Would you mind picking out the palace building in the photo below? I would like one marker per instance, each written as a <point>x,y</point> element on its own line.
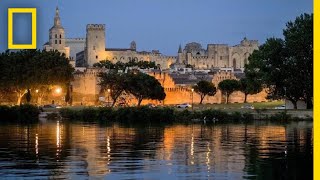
<point>219,59</point>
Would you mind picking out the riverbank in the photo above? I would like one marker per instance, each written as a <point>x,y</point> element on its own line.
<point>23,113</point>
<point>167,114</point>
<point>29,113</point>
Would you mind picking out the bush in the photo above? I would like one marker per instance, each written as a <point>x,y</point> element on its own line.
<point>156,115</point>
<point>23,113</point>
<point>281,116</point>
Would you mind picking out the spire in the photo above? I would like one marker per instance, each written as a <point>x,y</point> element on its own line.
<point>180,49</point>
<point>57,22</point>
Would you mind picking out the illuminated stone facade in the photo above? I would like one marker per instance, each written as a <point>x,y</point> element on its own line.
<point>85,52</point>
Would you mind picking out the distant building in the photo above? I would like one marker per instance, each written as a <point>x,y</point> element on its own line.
<point>93,48</point>
<point>177,75</point>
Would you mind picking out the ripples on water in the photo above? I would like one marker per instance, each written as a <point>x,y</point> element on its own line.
<point>228,151</point>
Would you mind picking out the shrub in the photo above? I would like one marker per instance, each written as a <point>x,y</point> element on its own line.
<point>23,113</point>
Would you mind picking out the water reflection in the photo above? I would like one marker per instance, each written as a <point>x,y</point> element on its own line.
<point>229,151</point>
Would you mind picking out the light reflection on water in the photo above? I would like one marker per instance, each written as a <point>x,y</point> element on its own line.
<point>61,149</point>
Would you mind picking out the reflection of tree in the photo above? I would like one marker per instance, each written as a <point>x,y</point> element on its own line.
<point>198,151</point>
<point>285,160</point>
<point>33,147</point>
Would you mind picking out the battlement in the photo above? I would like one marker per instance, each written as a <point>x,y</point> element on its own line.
<point>96,27</point>
<point>75,40</point>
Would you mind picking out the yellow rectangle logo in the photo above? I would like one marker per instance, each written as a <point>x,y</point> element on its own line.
<point>33,44</point>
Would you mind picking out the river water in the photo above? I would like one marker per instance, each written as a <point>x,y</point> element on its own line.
<point>60,150</point>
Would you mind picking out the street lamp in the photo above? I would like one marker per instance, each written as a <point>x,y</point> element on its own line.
<point>109,90</point>
<point>192,97</point>
<point>58,90</point>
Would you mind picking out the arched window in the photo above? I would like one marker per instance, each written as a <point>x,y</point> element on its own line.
<point>56,42</point>
<point>59,41</point>
<point>234,63</point>
<point>56,36</point>
<point>60,36</point>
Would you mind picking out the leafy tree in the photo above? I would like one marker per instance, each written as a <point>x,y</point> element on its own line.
<point>285,67</point>
<point>249,86</point>
<point>115,82</point>
<point>33,69</point>
<point>143,86</point>
<point>17,74</point>
<point>298,37</point>
<point>228,86</point>
<point>122,66</point>
<point>204,88</point>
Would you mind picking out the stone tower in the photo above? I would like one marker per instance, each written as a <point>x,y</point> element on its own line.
<point>133,45</point>
<point>57,40</point>
<point>180,55</point>
<point>95,44</point>
<point>56,34</point>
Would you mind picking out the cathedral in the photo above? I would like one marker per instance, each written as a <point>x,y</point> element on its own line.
<point>85,52</point>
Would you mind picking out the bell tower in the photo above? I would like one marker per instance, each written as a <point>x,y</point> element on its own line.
<point>57,33</point>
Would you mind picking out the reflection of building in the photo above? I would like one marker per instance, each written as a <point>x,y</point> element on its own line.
<point>227,150</point>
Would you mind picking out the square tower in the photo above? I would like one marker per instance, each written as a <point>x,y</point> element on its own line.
<point>95,49</point>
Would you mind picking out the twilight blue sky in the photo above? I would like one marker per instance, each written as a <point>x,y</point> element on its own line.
<point>160,24</point>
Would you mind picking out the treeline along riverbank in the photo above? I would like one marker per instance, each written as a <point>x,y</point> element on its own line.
<point>29,113</point>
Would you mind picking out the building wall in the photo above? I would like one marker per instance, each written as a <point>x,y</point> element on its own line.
<point>86,90</point>
<point>76,45</point>
<point>218,55</point>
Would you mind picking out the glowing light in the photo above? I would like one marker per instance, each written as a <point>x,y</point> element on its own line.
<point>37,91</point>
<point>58,90</point>
<point>37,144</point>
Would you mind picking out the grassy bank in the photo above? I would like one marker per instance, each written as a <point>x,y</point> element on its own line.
<point>145,114</point>
<point>23,113</point>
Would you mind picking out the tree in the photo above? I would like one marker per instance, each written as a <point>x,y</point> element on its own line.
<point>285,67</point>
<point>33,69</point>
<point>113,81</point>
<point>298,37</point>
<point>122,66</point>
<point>204,88</point>
<point>272,65</point>
<point>143,86</point>
<point>228,86</point>
<point>249,86</point>
<point>17,73</point>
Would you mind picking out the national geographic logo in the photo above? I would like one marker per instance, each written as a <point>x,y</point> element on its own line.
<point>33,12</point>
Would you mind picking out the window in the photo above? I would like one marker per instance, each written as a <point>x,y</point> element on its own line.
<point>97,37</point>
<point>59,41</point>
<point>96,57</point>
<point>220,57</point>
<point>56,36</point>
<point>60,36</point>
<point>56,42</point>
